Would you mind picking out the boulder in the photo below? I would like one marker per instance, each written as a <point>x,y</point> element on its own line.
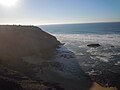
<point>93,45</point>
<point>112,46</point>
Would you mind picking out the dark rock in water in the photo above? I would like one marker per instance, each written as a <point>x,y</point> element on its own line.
<point>62,43</point>
<point>112,46</point>
<point>93,45</point>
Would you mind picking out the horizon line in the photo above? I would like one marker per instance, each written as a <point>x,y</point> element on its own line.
<point>59,23</point>
<point>77,23</point>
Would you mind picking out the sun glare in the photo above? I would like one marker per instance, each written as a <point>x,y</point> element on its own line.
<point>8,2</point>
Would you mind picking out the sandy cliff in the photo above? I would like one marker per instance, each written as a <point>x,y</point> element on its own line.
<point>20,45</point>
<point>30,60</point>
<point>20,41</point>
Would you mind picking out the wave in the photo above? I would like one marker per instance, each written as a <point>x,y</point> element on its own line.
<point>113,39</point>
<point>77,43</point>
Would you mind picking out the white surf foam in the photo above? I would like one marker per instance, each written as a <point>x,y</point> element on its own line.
<point>113,39</point>
<point>78,44</point>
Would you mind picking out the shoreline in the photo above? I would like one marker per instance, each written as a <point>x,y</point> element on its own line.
<point>33,59</point>
<point>70,39</point>
<point>59,73</point>
<point>96,86</point>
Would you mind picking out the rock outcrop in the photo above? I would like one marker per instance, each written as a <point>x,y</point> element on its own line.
<point>27,61</point>
<point>19,44</point>
<point>93,45</point>
<point>20,41</point>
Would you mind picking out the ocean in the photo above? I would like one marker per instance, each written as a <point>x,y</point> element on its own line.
<point>91,59</point>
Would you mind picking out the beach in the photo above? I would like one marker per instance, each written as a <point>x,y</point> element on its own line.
<point>100,62</point>
<point>98,87</point>
<point>32,59</point>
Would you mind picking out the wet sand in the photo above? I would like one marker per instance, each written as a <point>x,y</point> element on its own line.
<point>63,69</point>
<point>98,87</point>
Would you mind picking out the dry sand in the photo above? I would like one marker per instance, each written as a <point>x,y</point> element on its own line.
<point>98,87</point>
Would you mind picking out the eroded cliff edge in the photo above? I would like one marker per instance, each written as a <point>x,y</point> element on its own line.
<point>19,44</point>
<point>31,60</point>
<point>20,41</point>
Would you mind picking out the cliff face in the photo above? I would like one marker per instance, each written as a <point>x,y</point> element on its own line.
<point>20,41</point>
<point>20,45</point>
<point>25,62</point>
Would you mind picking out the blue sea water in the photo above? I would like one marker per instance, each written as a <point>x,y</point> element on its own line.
<point>91,28</point>
<point>77,36</point>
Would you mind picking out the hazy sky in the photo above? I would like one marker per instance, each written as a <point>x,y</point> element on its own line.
<point>60,11</point>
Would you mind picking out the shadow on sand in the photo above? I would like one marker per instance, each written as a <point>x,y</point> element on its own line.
<point>64,70</point>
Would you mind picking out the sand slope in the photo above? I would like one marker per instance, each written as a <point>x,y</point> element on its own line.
<point>19,44</point>
<point>98,87</point>
<point>21,41</point>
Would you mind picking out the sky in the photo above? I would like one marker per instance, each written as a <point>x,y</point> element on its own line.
<point>37,12</point>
